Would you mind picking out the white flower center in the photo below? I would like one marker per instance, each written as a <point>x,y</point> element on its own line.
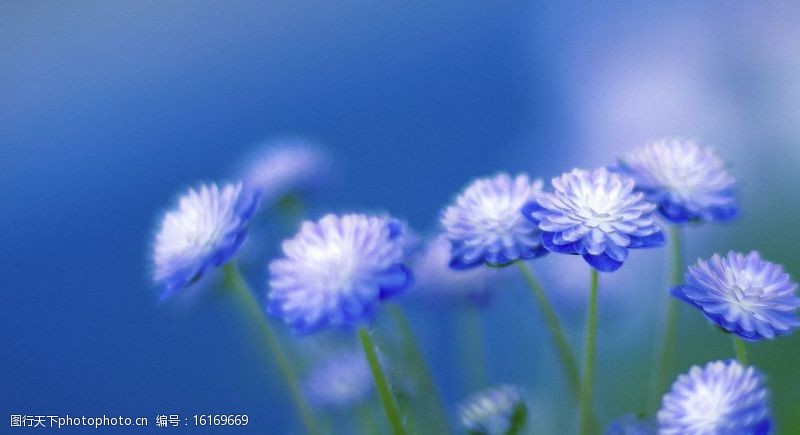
<point>333,264</point>
<point>746,297</point>
<point>706,407</point>
<point>597,209</point>
<point>682,181</point>
<point>499,215</point>
<point>202,235</point>
<point>200,227</point>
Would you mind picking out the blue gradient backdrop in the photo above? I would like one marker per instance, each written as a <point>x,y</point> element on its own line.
<point>108,109</point>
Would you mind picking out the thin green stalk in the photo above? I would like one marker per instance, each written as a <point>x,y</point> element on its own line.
<point>235,282</point>
<point>565,353</point>
<point>666,360</point>
<point>405,403</point>
<point>590,351</point>
<point>740,349</point>
<point>423,372</point>
<point>384,392</point>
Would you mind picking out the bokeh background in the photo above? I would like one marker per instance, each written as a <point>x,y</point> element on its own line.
<point>109,109</point>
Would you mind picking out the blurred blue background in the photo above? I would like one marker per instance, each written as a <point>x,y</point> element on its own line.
<point>110,109</point>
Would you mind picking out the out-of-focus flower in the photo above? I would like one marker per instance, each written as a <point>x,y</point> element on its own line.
<point>485,225</point>
<point>206,229</point>
<point>285,167</point>
<point>631,425</point>
<point>335,271</point>
<point>743,294</point>
<point>597,215</point>
<point>722,398</point>
<point>493,411</point>
<point>689,183</point>
<point>437,282</point>
<point>341,381</point>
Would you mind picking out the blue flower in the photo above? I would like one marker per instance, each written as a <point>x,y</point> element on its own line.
<point>722,398</point>
<point>743,294</point>
<point>689,183</point>
<point>342,380</point>
<point>485,226</point>
<point>631,425</point>
<point>493,411</point>
<point>286,166</point>
<point>336,271</point>
<point>206,229</point>
<point>596,215</point>
<point>436,281</point>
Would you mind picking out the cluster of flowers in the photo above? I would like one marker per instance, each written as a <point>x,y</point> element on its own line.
<point>337,270</point>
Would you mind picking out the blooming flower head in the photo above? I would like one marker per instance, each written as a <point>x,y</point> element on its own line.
<point>335,271</point>
<point>743,294</point>
<point>631,425</point>
<point>597,215</point>
<point>493,411</point>
<point>689,183</point>
<point>206,229</point>
<point>287,166</point>
<point>722,398</point>
<point>436,281</point>
<point>485,226</point>
<point>341,381</point>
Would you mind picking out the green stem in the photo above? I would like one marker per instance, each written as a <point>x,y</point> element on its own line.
<point>740,349</point>
<point>590,352</point>
<point>565,353</point>
<point>387,398</point>
<point>677,255</point>
<point>235,282</point>
<point>405,403</point>
<point>666,360</point>
<point>423,372</point>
